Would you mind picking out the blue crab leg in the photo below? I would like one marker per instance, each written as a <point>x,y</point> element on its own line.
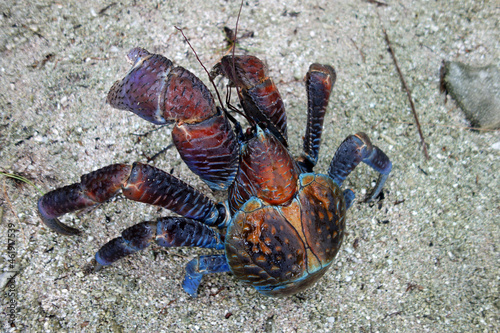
<point>200,266</point>
<point>139,182</point>
<point>169,232</point>
<point>358,148</point>
<point>166,232</point>
<point>319,84</point>
<point>349,198</point>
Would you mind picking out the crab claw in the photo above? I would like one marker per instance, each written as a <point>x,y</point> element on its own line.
<point>54,223</point>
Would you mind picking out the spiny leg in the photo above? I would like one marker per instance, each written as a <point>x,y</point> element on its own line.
<point>94,188</point>
<point>358,148</point>
<point>139,182</point>
<point>166,232</point>
<point>200,266</point>
<point>169,232</point>
<point>319,84</point>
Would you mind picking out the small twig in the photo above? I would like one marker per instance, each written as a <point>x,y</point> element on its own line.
<point>155,156</point>
<point>232,41</point>
<point>378,3</point>
<point>100,58</point>
<point>405,86</point>
<point>360,52</point>
<point>102,11</point>
<point>22,179</point>
<point>148,132</point>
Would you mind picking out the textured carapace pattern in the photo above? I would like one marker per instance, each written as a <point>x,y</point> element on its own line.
<point>258,94</point>
<point>160,93</point>
<point>266,171</point>
<point>276,247</point>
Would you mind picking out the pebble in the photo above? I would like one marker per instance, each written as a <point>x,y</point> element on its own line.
<point>476,90</point>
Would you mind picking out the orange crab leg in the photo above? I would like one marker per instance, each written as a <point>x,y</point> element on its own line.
<point>139,182</point>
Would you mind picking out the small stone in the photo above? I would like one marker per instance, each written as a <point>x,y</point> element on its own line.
<point>5,277</point>
<point>476,90</point>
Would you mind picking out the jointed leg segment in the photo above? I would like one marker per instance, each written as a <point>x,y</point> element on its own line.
<point>200,266</point>
<point>355,149</point>
<point>139,182</point>
<point>169,232</point>
<point>319,84</point>
<point>166,232</point>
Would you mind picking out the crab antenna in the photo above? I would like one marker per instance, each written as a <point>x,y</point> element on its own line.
<point>236,30</point>
<point>234,44</point>
<point>208,74</point>
<point>233,68</point>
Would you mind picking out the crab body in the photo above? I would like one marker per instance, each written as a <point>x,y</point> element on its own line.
<point>282,224</point>
<point>283,249</point>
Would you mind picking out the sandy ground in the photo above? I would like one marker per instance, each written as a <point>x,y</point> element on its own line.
<point>425,260</point>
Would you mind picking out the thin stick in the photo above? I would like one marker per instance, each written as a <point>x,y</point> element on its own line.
<point>21,178</point>
<point>405,86</point>
<point>378,3</point>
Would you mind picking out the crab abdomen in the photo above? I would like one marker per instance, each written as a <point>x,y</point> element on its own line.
<point>281,250</point>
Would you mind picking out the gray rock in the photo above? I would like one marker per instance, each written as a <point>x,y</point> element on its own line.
<point>476,90</point>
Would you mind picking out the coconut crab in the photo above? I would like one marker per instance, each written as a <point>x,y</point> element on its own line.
<point>281,225</point>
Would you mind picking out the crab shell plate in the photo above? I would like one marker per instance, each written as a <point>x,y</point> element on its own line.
<point>282,250</point>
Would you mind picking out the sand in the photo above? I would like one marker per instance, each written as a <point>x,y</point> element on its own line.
<point>426,259</point>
